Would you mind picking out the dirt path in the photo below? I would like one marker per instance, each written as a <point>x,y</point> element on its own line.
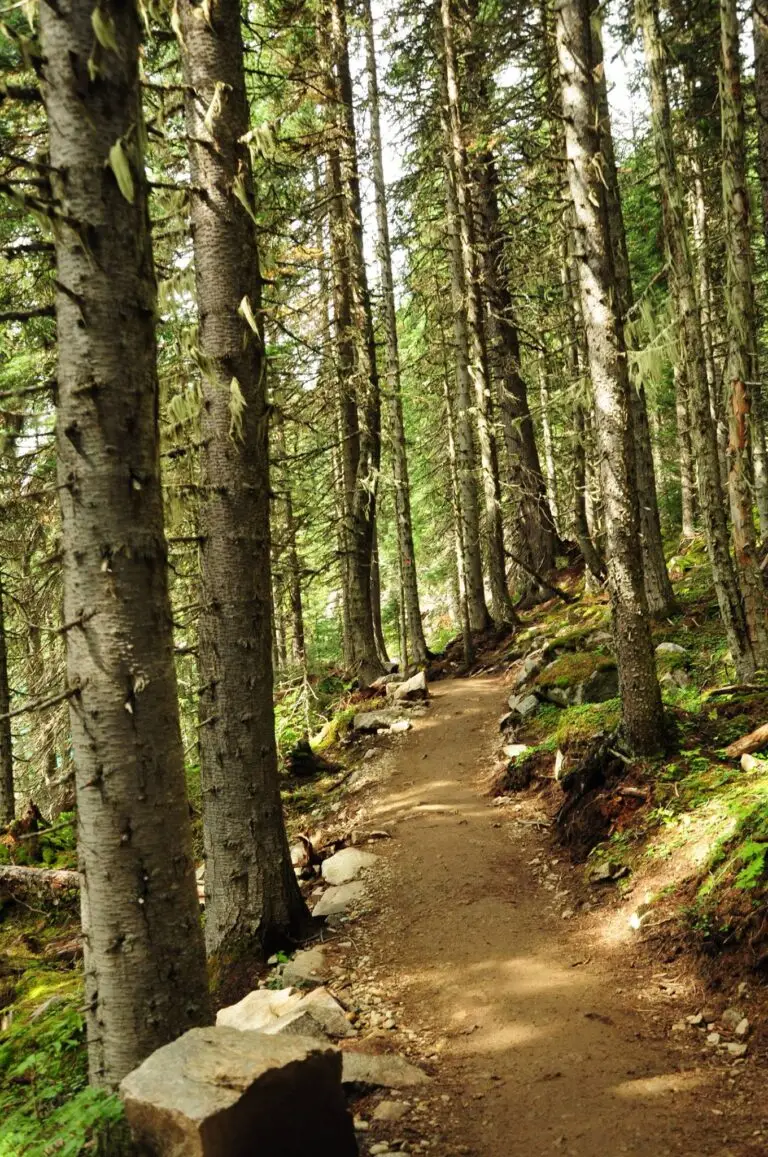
<point>547,1035</point>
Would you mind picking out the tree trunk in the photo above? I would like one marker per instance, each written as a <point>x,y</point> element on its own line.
<point>7,798</point>
<point>760,40</point>
<point>393,395</point>
<point>642,711</point>
<point>358,375</point>
<point>472,566</point>
<point>456,164</point>
<point>546,433</point>
<point>685,455</point>
<point>658,588</point>
<point>725,576</point>
<point>742,372</point>
<point>252,901</point>
<point>145,972</point>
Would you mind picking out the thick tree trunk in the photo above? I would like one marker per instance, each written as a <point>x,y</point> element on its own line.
<point>252,901</point>
<point>7,798</point>
<point>145,972</point>
<point>356,355</point>
<point>724,574</point>
<point>546,434</point>
<point>456,164</point>
<point>760,40</point>
<point>536,536</point>
<point>466,475</point>
<point>642,711</point>
<point>658,588</point>
<point>393,394</point>
<point>742,372</point>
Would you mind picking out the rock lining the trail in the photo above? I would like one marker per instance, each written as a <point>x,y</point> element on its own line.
<point>347,865</point>
<point>217,1092</point>
<point>339,900</point>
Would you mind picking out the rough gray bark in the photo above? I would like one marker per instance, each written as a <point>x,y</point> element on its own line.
<point>393,394</point>
<point>456,163</point>
<point>536,537</point>
<point>746,434</point>
<point>252,900</point>
<point>356,354</point>
<point>7,798</point>
<point>546,432</point>
<point>145,974</point>
<point>466,474</point>
<point>658,588</point>
<point>724,574</point>
<point>642,712</point>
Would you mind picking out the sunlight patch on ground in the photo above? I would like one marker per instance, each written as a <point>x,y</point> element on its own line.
<point>660,1085</point>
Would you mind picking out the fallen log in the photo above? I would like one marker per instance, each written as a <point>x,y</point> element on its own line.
<point>748,743</point>
<point>37,885</point>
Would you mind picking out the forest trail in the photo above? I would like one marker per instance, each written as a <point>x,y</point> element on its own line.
<point>552,1035</point>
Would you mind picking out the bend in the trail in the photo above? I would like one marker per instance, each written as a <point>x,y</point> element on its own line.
<point>544,1035</point>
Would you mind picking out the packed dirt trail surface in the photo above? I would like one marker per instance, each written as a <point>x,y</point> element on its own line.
<point>547,1037</point>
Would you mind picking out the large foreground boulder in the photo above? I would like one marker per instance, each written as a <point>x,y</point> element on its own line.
<point>217,1092</point>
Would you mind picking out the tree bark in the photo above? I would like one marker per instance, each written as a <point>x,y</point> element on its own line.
<point>7,797</point>
<point>358,374</point>
<point>393,395</point>
<point>145,972</point>
<point>685,455</point>
<point>658,588</point>
<point>642,712</point>
<point>536,536</point>
<point>742,372</point>
<point>760,41</point>
<point>252,900</point>
<point>456,163</point>
<point>724,574</point>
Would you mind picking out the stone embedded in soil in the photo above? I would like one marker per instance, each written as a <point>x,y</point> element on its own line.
<point>347,865</point>
<point>601,686</point>
<point>400,725</point>
<point>523,706</point>
<point>258,1009</point>
<point>337,901</point>
<point>514,750</point>
<point>607,871</point>
<point>217,1092</point>
<point>390,1111</point>
<point>308,967</point>
<point>670,649</point>
<point>382,1071</point>
<point>736,1050</point>
<point>377,720</point>
<point>529,667</point>
<point>412,689</point>
<point>731,1018</point>
<point>742,1028</point>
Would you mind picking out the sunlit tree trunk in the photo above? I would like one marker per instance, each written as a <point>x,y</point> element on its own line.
<point>742,373</point>
<point>658,588</point>
<point>252,898</point>
<point>393,395</point>
<point>456,164</point>
<point>725,576</point>
<point>144,960</point>
<point>642,712</point>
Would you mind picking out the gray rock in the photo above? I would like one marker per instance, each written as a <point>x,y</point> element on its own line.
<point>599,687</point>
<point>523,706</point>
<point>375,720</point>
<point>413,688</point>
<point>670,649</point>
<point>742,1028</point>
<point>736,1050</point>
<point>400,725</point>
<point>217,1092</point>
<point>298,1022</point>
<point>307,968</point>
<point>390,1111</point>
<point>328,1013</point>
<point>347,865</point>
<point>515,750</point>
<point>530,667</point>
<point>731,1018</point>
<point>336,901</point>
<point>383,1071</point>
<point>560,696</point>
<point>607,871</point>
